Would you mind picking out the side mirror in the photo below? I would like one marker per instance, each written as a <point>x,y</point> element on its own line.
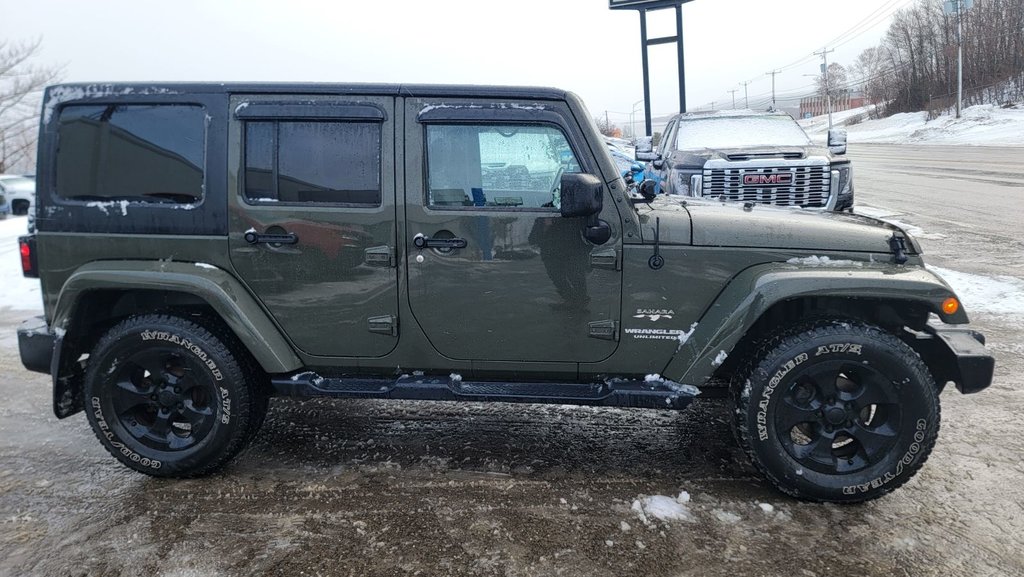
<point>582,195</point>
<point>837,141</point>
<point>645,149</point>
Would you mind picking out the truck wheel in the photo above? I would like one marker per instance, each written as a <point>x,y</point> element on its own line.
<point>168,397</point>
<point>837,411</point>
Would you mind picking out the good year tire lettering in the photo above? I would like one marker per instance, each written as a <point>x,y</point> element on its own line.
<point>909,457</point>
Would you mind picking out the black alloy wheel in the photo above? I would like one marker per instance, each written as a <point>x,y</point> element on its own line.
<point>162,400</point>
<point>838,417</point>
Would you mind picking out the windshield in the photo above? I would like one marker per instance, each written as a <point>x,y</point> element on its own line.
<point>19,184</point>
<point>739,131</point>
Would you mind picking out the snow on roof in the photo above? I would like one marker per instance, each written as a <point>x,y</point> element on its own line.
<point>738,113</point>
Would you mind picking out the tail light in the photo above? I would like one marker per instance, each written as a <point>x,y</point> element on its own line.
<point>29,263</point>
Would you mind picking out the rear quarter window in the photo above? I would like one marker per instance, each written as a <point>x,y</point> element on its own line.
<point>149,153</point>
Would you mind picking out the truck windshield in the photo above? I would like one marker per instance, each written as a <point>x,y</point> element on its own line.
<point>739,131</point>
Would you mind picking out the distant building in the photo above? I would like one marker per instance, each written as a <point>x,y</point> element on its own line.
<point>816,105</point>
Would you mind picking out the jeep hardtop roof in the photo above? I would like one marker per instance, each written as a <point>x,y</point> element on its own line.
<point>93,89</point>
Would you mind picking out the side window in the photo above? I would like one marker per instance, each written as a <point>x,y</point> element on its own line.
<point>668,139</point>
<point>313,162</point>
<point>139,153</point>
<point>496,165</point>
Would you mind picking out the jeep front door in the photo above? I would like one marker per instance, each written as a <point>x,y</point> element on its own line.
<point>495,273</point>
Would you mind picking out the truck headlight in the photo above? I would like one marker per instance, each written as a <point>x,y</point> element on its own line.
<point>687,183</point>
<point>845,179</point>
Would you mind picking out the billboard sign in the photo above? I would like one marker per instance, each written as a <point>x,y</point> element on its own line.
<point>643,4</point>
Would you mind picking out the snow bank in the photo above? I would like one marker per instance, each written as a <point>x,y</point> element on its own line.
<point>887,216</point>
<point>985,124</point>
<point>16,291</point>
<point>998,295</point>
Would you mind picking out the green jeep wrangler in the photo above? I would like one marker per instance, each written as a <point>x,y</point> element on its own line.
<point>202,247</point>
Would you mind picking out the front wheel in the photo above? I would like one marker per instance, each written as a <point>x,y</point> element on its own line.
<point>169,398</point>
<point>839,411</point>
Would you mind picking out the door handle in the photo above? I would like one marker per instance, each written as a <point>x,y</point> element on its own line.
<point>420,241</point>
<point>253,237</point>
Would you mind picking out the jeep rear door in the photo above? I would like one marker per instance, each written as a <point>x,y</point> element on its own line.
<point>313,218</point>
<point>495,273</point>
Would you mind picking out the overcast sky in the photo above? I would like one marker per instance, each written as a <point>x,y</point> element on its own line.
<point>579,45</point>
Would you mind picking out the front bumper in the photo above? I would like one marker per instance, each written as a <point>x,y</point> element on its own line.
<point>35,343</point>
<point>959,355</point>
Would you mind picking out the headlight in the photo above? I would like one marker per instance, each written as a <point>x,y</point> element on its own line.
<point>845,179</point>
<point>686,183</point>
<point>682,184</point>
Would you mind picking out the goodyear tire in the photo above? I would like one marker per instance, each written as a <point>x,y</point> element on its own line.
<point>168,397</point>
<point>840,411</point>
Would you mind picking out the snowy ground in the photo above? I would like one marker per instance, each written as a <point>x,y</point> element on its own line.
<point>983,125</point>
<point>16,291</point>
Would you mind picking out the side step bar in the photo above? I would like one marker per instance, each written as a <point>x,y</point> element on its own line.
<point>657,394</point>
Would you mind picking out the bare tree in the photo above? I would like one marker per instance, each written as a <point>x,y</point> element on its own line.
<point>915,67</point>
<point>837,81</point>
<point>869,74</point>
<point>607,128</point>
<point>21,85</point>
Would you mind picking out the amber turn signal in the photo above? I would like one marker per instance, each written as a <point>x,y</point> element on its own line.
<point>950,306</point>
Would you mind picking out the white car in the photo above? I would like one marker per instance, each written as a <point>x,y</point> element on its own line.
<point>17,194</point>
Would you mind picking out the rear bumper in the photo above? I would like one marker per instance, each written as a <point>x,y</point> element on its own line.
<point>35,343</point>
<point>966,361</point>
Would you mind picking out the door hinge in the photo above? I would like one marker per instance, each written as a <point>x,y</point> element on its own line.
<point>604,330</point>
<point>380,256</point>
<point>606,258</point>
<point>383,325</point>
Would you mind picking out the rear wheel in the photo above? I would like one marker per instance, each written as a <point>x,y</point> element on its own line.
<point>169,397</point>
<point>841,412</point>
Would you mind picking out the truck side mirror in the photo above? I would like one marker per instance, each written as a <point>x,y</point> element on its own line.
<point>645,149</point>
<point>837,141</point>
<point>582,195</point>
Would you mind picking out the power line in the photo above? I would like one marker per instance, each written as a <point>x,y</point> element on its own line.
<point>880,14</point>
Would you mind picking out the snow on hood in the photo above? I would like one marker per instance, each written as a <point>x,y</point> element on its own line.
<point>719,131</point>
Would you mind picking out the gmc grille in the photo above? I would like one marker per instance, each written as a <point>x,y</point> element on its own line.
<point>810,185</point>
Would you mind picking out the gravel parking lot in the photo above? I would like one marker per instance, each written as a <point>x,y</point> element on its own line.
<point>369,488</point>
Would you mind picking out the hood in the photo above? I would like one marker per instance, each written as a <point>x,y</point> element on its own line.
<point>697,158</point>
<point>713,223</point>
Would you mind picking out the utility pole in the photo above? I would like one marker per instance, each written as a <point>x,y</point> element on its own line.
<point>712,105</point>
<point>733,92</point>
<point>746,101</point>
<point>958,7</point>
<point>772,74</point>
<point>828,88</point>
<point>959,56</point>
